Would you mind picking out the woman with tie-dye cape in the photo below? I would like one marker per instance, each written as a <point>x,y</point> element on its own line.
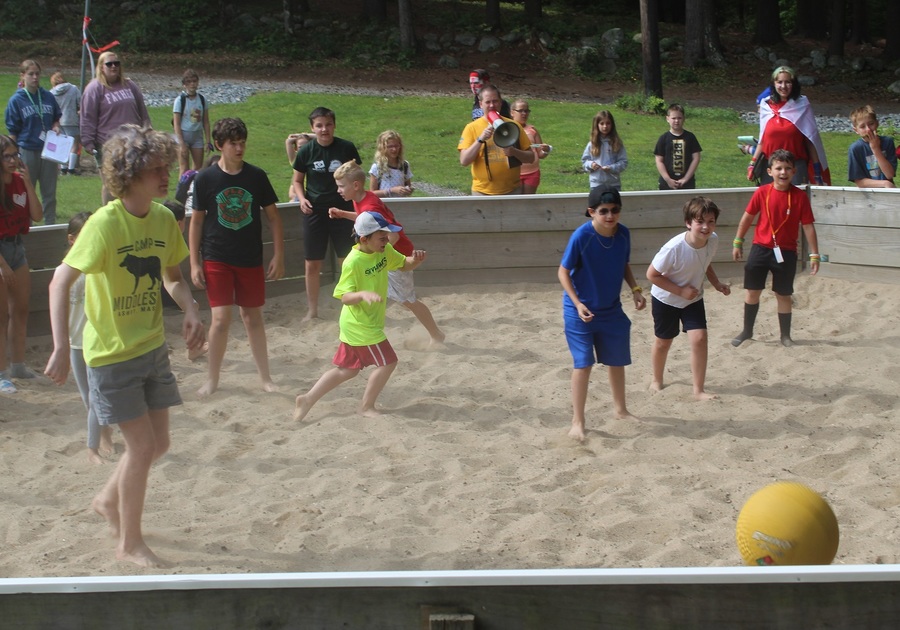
<point>786,121</point>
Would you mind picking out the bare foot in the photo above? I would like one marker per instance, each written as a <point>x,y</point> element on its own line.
<point>302,407</point>
<point>108,511</point>
<point>95,458</point>
<point>656,386</point>
<point>107,447</point>
<point>370,412</point>
<point>208,389</point>
<point>310,315</point>
<point>269,386</point>
<point>438,338</point>
<point>577,432</point>
<point>705,396</point>
<point>141,556</point>
<point>624,414</point>
<point>195,353</point>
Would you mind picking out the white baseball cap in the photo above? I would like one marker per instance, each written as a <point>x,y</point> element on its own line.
<point>370,222</point>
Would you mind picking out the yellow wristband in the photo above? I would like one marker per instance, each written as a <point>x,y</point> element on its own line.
<point>637,289</point>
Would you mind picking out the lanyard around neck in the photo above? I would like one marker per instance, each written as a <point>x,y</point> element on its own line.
<point>769,215</point>
<point>39,106</point>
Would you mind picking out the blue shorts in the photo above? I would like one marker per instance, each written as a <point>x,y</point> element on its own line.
<point>666,318</point>
<point>607,342</point>
<point>124,391</point>
<point>761,261</point>
<point>13,251</point>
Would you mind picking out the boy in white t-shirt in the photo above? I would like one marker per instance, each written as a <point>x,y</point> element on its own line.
<point>677,273</point>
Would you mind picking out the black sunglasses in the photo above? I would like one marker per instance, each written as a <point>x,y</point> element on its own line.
<point>522,111</point>
<point>112,64</point>
<point>604,211</point>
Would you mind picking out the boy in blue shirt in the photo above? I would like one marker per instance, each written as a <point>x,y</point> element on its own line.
<point>871,160</point>
<point>597,330</point>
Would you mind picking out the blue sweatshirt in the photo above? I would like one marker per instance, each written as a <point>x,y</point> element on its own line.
<point>23,120</point>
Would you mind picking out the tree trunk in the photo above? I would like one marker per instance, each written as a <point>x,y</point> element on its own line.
<point>811,19</point>
<point>407,26</point>
<point>838,27</point>
<point>492,18</point>
<point>533,11</point>
<point>768,23</point>
<point>859,32</point>
<point>701,34</point>
<point>652,68</point>
<point>693,33</point>
<point>892,44</point>
<point>375,10</point>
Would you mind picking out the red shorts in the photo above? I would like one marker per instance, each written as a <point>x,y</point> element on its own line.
<point>358,357</point>
<point>227,285</point>
<point>531,179</point>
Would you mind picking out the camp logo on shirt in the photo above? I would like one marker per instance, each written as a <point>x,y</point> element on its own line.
<point>140,267</point>
<point>380,265</point>
<point>235,208</point>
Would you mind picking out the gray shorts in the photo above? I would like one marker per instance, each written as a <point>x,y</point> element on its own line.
<point>127,390</point>
<point>193,139</point>
<point>13,252</point>
<point>401,287</point>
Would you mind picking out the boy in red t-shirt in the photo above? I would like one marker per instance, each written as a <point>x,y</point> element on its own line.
<point>782,209</point>
<point>350,180</point>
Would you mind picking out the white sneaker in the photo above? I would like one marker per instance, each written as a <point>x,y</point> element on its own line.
<point>7,387</point>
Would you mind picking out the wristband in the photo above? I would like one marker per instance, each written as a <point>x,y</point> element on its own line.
<point>637,289</point>
<point>480,140</point>
<point>738,242</point>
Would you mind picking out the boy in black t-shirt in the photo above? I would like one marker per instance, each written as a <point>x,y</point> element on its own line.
<point>226,247</point>
<point>677,153</point>
<point>313,182</point>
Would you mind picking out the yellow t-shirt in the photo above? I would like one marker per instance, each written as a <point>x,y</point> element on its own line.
<point>494,177</point>
<point>363,324</point>
<point>124,258</point>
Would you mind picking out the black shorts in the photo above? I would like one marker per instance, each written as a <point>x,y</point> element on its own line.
<point>666,318</point>
<point>761,261</point>
<point>318,230</point>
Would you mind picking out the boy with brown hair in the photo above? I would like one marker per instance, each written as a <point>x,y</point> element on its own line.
<point>783,209</point>
<point>230,199</point>
<point>677,273</point>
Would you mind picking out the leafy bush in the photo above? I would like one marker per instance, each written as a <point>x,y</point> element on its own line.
<point>639,103</point>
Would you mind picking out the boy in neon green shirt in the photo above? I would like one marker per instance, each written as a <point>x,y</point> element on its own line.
<point>363,291</point>
<point>128,249</point>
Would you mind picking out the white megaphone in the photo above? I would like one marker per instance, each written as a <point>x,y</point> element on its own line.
<point>506,134</point>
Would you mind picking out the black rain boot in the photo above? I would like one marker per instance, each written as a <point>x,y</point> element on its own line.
<point>750,311</point>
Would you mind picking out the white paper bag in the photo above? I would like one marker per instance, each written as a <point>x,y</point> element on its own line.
<point>57,147</point>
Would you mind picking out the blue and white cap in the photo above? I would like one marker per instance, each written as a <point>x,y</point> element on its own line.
<point>370,222</point>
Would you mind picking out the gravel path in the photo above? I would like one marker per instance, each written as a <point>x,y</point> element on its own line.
<point>162,90</point>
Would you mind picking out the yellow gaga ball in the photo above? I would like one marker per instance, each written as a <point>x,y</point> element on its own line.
<point>786,523</point>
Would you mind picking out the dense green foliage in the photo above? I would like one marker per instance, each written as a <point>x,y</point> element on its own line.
<point>431,127</point>
<point>343,31</point>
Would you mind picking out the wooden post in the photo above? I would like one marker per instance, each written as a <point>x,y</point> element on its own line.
<point>451,621</point>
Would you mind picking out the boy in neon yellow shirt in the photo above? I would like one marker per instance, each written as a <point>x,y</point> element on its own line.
<point>363,291</point>
<point>128,249</point>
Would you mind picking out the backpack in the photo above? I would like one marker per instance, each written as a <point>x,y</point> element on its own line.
<point>182,98</point>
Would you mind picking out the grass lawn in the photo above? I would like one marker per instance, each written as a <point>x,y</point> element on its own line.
<point>431,127</point>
